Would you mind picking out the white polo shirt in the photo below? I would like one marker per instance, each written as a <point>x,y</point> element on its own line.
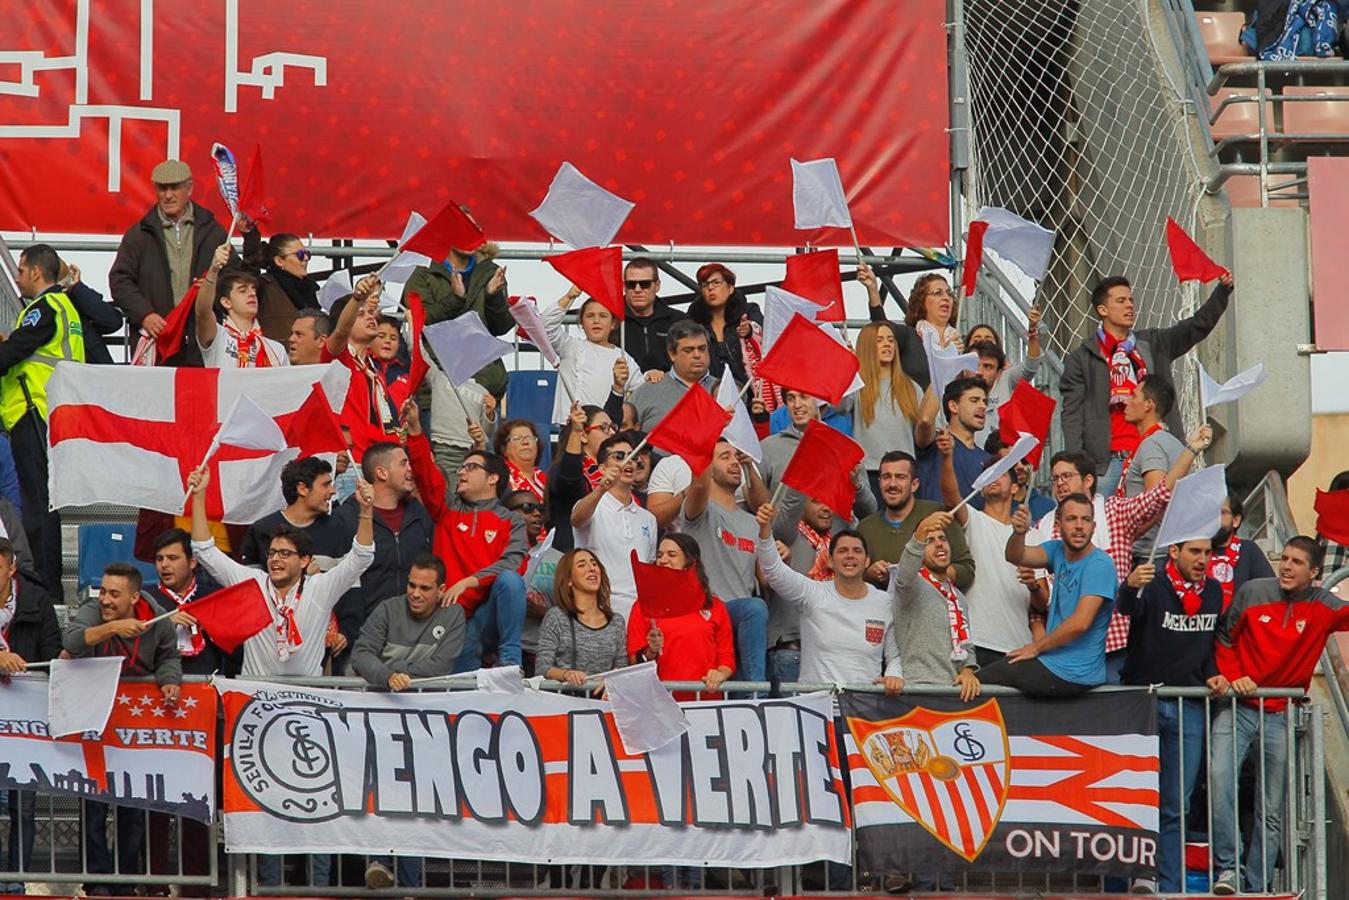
<point>613,532</point>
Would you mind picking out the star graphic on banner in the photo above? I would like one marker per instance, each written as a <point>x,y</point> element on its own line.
<point>123,699</point>
<point>190,702</point>
<point>180,713</point>
<point>137,710</point>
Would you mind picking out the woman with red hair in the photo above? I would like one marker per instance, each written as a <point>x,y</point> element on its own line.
<point>736,326</point>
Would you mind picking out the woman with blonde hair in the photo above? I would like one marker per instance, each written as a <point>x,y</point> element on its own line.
<point>934,310</point>
<point>886,409</point>
<point>580,635</point>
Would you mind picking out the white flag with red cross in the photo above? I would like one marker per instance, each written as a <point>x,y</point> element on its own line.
<point>131,435</point>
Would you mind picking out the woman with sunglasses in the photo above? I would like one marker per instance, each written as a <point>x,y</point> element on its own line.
<point>581,635</point>
<point>517,442</point>
<point>284,284</point>
<point>577,471</point>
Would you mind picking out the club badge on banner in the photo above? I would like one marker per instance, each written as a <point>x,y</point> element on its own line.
<point>1009,784</point>
<point>533,777</point>
<point>150,756</point>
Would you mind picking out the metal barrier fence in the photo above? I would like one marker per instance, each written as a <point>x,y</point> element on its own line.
<point>1287,758</point>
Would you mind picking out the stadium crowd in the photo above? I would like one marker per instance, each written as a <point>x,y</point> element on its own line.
<point>440,543</point>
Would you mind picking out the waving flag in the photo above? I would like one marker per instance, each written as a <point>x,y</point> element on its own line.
<point>691,428</point>
<point>525,312</point>
<point>598,271</point>
<point>663,592</point>
<point>579,212</point>
<point>808,360</point>
<point>231,615</point>
<point>817,195</point>
<point>1239,385</point>
<point>226,176</point>
<point>452,228</point>
<point>1188,259</point>
<point>251,201</point>
<point>1028,411</point>
<point>171,336</point>
<point>463,346</point>
<point>821,467</point>
<point>816,277</point>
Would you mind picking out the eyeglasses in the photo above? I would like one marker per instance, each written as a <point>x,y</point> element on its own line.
<point>528,507</point>
<point>941,292</point>
<point>522,439</point>
<point>281,553</point>
<point>470,466</point>
<point>1063,477</point>
<point>714,281</point>
<point>634,284</point>
<point>607,428</point>
<point>302,254</point>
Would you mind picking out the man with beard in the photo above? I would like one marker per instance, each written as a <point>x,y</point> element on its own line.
<point>1234,561</point>
<point>888,531</point>
<point>965,403</point>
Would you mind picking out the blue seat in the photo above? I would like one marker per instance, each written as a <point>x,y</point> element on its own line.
<point>529,395</point>
<point>103,544</point>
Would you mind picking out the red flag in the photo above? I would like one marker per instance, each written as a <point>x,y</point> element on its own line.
<point>314,427</point>
<point>691,428</point>
<point>815,276</point>
<point>664,592</point>
<point>1332,515</point>
<point>596,270</point>
<point>974,255</point>
<point>1026,410</point>
<point>1190,262</point>
<point>232,615</point>
<point>450,228</point>
<point>806,359</point>
<point>822,467</point>
<point>170,339</point>
<point>251,203</point>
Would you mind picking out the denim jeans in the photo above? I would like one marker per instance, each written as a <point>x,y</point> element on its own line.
<point>497,622</point>
<point>1114,471</point>
<point>271,869</point>
<point>1180,728</point>
<point>22,809</point>
<point>749,619</point>
<point>1234,735</point>
<point>784,665</point>
<point>409,868</point>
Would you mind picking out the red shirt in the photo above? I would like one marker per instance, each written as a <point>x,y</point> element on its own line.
<point>1124,438</point>
<point>695,644</point>
<point>359,413</point>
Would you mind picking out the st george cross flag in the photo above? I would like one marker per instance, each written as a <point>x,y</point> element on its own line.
<point>81,693</point>
<point>739,432</point>
<point>153,426</point>
<point>597,271</point>
<point>231,615</point>
<point>663,592</point>
<point>1332,515</point>
<point>251,201</point>
<point>1025,443</point>
<point>463,346</point>
<point>451,228</point>
<point>1239,385</point>
<point>807,359</point>
<point>525,312</point>
<point>579,212</point>
<point>1195,510</point>
<point>1019,241</point>
<point>645,714</point>
<point>1190,262</point>
<point>822,466</point>
<point>817,195</point>
<point>816,277</point>
<point>691,428</point>
<point>1028,411</point>
<point>315,428</point>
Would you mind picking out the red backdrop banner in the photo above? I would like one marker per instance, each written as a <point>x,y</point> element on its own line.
<point>365,110</point>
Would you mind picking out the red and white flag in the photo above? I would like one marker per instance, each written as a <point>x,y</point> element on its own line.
<point>131,435</point>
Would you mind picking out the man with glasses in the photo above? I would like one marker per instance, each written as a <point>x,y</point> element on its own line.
<point>647,322</point>
<point>610,522</point>
<point>162,253</point>
<point>687,349</point>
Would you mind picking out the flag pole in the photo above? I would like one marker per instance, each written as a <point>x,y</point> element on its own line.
<point>777,494</point>
<point>234,221</point>
<point>967,499</point>
<point>38,665</point>
<point>857,246</point>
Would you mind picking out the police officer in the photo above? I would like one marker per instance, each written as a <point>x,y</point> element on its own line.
<point>48,331</point>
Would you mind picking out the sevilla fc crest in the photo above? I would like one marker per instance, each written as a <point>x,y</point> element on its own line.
<point>949,771</point>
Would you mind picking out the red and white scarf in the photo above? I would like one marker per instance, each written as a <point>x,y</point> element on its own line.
<point>1191,593</point>
<point>592,470</point>
<point>288,635</point>
<point>381,408</point>
<point>250,348</point>
<point>820,568</point>
<point>1125,363</point>
<point>7,615</point>
<point>190,639</point>
<point>751,351</point>
<point>1222,568</point>
<point>955,615</point>
<point>521,482</point>
<point>1129,460</point>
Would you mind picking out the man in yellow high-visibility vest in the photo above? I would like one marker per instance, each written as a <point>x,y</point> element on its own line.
<point>48,331</point>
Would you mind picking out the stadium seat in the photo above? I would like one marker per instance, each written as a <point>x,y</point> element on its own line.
<point>1239,119</point>
<point>100,544</point>
<point>1221,32</point>
<point>529,395</point>
<point>1327,119</point>
<point>1243,192</point>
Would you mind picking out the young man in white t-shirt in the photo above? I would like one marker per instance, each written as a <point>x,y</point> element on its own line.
<point>235,340</point>
<point>999,598</point>
<point>611,522</point>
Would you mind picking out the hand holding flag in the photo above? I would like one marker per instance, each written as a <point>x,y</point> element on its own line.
<point>1190,262</point>
<point>663,592</point>
<point>822,466</point>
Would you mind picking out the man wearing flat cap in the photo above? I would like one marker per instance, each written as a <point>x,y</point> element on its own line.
<point>162,253</point>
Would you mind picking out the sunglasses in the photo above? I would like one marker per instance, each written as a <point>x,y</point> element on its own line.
<point>619,455</point>
<point>529,507</point>
<point>302,255</point>
<point>633,284</point>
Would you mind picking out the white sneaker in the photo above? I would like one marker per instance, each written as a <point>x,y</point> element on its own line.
<point>378,875</point>
<point>1226,885</point>
<point>1143,886</point>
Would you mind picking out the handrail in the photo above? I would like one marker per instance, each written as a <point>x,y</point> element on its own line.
<point>1290,66</point>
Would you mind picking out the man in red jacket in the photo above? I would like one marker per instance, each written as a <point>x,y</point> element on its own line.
<point>1271,636</point>
<point>481,543</point>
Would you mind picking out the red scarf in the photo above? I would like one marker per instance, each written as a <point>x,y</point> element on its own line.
<point>751,351</point>
<point>1125,364</point>
<point>535,485</point>
<point>190,639</point>
<point>287,630</point>
<point>1222,568</point>
<point>252,348</point>
<point>1189,592</point>
<point>1128,460</point>
<point>820,569</point>
<point>592,470</point>
<point>960,626</point>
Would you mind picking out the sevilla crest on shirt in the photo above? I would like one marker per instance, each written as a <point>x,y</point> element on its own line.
<point>949,771</point>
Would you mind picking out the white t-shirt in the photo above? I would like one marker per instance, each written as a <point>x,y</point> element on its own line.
<point>613,532</point>
<point>999,603</point>
<point>223,352</point>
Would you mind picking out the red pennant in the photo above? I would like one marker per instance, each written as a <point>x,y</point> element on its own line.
<point>314,427</point>
<point>451,228</point>
<point>1027,410</point>
<point>170,339</point>
<point>232,615</point>
<point>821,467</point>
<point>1332,515</point>
<point>691,429</point>
<point>1190,262</point>
<point>806,359</point>
<point>663,592</point>
<point>974,255</point>
<point>815,276</point>
<point>598,271</point>
<point>251,202</point>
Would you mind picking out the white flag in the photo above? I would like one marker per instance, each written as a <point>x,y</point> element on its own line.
<point>400,268</point>
<point>944,364</point>
<point>80,694</point>
<point>525,311</point>
<point>248,427</point>
<point>1195,510</point>
<point>817,195</point>
<point>535,555</point>
<point>645,714</point>
<point>579,212</point>
<point>1025,443</point>
<point>1021,242</point>
<point>1239,385</point>
<point>501,680</point>
<point>739,432</point>
<point>463,346</point>
<point>336,287</point>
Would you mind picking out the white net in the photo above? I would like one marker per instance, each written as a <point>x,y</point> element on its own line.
<point>1075,124</point>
